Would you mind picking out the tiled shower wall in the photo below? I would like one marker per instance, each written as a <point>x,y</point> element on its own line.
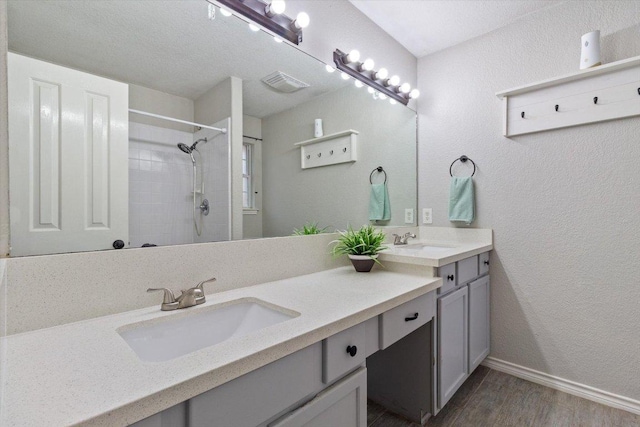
<point>160,188</point>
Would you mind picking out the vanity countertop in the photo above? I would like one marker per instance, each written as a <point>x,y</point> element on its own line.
<point>84,373</point>
<point>435,247</point>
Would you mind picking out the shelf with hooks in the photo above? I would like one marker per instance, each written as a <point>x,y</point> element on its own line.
<point>606,92</point>
<point>328,150</point>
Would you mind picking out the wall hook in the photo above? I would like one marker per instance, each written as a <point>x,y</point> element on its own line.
<point>344,150</point>
<point>319,154</point>
<point>331,153</point>
<point>557,107</point>
<point>595,99</point>
<point>308,156</point>
<point>522,114</point>
<point>639,91</point>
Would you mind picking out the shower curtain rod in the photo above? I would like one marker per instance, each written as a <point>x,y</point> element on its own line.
<point>171,119</point>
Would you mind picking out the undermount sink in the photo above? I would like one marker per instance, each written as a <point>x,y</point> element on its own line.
<point>183,333</point>
<point>422,247</point>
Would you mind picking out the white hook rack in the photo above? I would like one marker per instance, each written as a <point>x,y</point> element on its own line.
<point>328,150</point>
<point>606,92</point>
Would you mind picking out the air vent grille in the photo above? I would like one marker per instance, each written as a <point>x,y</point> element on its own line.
<point>283,82</point>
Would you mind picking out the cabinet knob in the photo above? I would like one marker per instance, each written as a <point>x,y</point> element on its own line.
<point>352,350</point>
<point>118,244</point>
<point>451,277</point>
<point>409,319</point>
<point>486,263</point>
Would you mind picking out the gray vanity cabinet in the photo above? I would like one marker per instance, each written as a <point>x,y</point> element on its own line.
<point>453,333</point>
<point>462,326</point>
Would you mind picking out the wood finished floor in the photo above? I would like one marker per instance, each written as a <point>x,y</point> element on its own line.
<point>493,399</point>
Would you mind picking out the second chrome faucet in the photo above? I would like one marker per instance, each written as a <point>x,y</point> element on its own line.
<point>402,240</point>
<point>188,297</point>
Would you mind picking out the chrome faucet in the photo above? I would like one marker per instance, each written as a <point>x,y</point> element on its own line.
<point>402,240</point>
<point>187,298</point>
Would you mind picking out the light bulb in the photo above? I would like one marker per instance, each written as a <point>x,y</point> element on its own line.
<point>392,101</point>
<point>415,93</point>
<point>276,7</point>
<point>370,89</point>
<point>358,83</point>
<point>394,81</point>
<point>405,88</point>
<point>353,56</point>
<point>368,64</point>
<point>302,21</point>
<point>381,74</point>
<point>344,76</point>
<point>277,39</point>
<point>225,12</point>
<point>329,68</point>
<point>254,27</point>
<point>382,96</point>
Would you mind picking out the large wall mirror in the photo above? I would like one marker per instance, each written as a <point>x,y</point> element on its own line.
<point>104,153</point>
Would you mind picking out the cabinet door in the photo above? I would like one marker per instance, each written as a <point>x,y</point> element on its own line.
<point>68,149</point>
<point>453,335</point>
<point>479,331</point>
<point>343,404</point>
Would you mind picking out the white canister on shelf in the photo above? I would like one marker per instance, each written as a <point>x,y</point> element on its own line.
<point>317,129</point>
<point>590,56</point>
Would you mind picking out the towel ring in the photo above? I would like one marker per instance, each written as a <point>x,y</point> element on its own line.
<point>463,159</point>
<point>378,169</point>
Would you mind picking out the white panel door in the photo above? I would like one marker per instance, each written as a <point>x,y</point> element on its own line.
<point>68,159</point>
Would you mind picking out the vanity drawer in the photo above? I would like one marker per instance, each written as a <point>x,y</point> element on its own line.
<point>402,320</point>
<point>467,269</point>
<point>343,352</point>
<point>448,274</point>
<point>483,265</point>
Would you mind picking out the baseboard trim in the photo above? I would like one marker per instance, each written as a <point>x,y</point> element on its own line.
<point>561,384</point>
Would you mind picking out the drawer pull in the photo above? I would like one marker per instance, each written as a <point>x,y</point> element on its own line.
<point>352,350</point>
<point>451,277</point>
<point>409,319</point>
<point>486,263</point>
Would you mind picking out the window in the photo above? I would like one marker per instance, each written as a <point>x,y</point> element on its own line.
<point>247,176</point>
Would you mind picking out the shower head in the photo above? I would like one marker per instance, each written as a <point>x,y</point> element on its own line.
<point>185,148</point>
<point>193,147</point>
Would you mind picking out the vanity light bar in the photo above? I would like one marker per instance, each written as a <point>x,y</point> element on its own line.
<point>264,14</point>
<point>364,72</point>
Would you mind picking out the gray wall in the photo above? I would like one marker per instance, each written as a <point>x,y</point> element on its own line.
<point>563,203</point>
<point>337,195</point>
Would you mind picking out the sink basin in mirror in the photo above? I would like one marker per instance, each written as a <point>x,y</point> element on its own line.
<point>179,334</point>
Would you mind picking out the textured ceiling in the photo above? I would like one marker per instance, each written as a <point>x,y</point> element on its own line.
<point>424,27</point>
<point>169,46</point>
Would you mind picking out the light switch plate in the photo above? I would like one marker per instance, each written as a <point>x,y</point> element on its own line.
<point>427,216</point>
<point>408,216</point>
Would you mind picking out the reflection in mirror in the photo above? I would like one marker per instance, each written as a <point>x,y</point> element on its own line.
<point>157,126</point>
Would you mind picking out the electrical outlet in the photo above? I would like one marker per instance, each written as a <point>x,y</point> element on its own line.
<point>408,216</point>
<point>427,216</point>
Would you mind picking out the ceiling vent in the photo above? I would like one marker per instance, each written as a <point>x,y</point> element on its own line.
<point>283,82</point>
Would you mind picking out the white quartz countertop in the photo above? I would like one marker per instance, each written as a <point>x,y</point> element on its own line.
<point>438,247</point>
<point>85,374</point>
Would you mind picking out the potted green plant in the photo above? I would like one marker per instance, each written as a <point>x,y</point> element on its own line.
<point>308,229</point>
<point>362,246</point>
